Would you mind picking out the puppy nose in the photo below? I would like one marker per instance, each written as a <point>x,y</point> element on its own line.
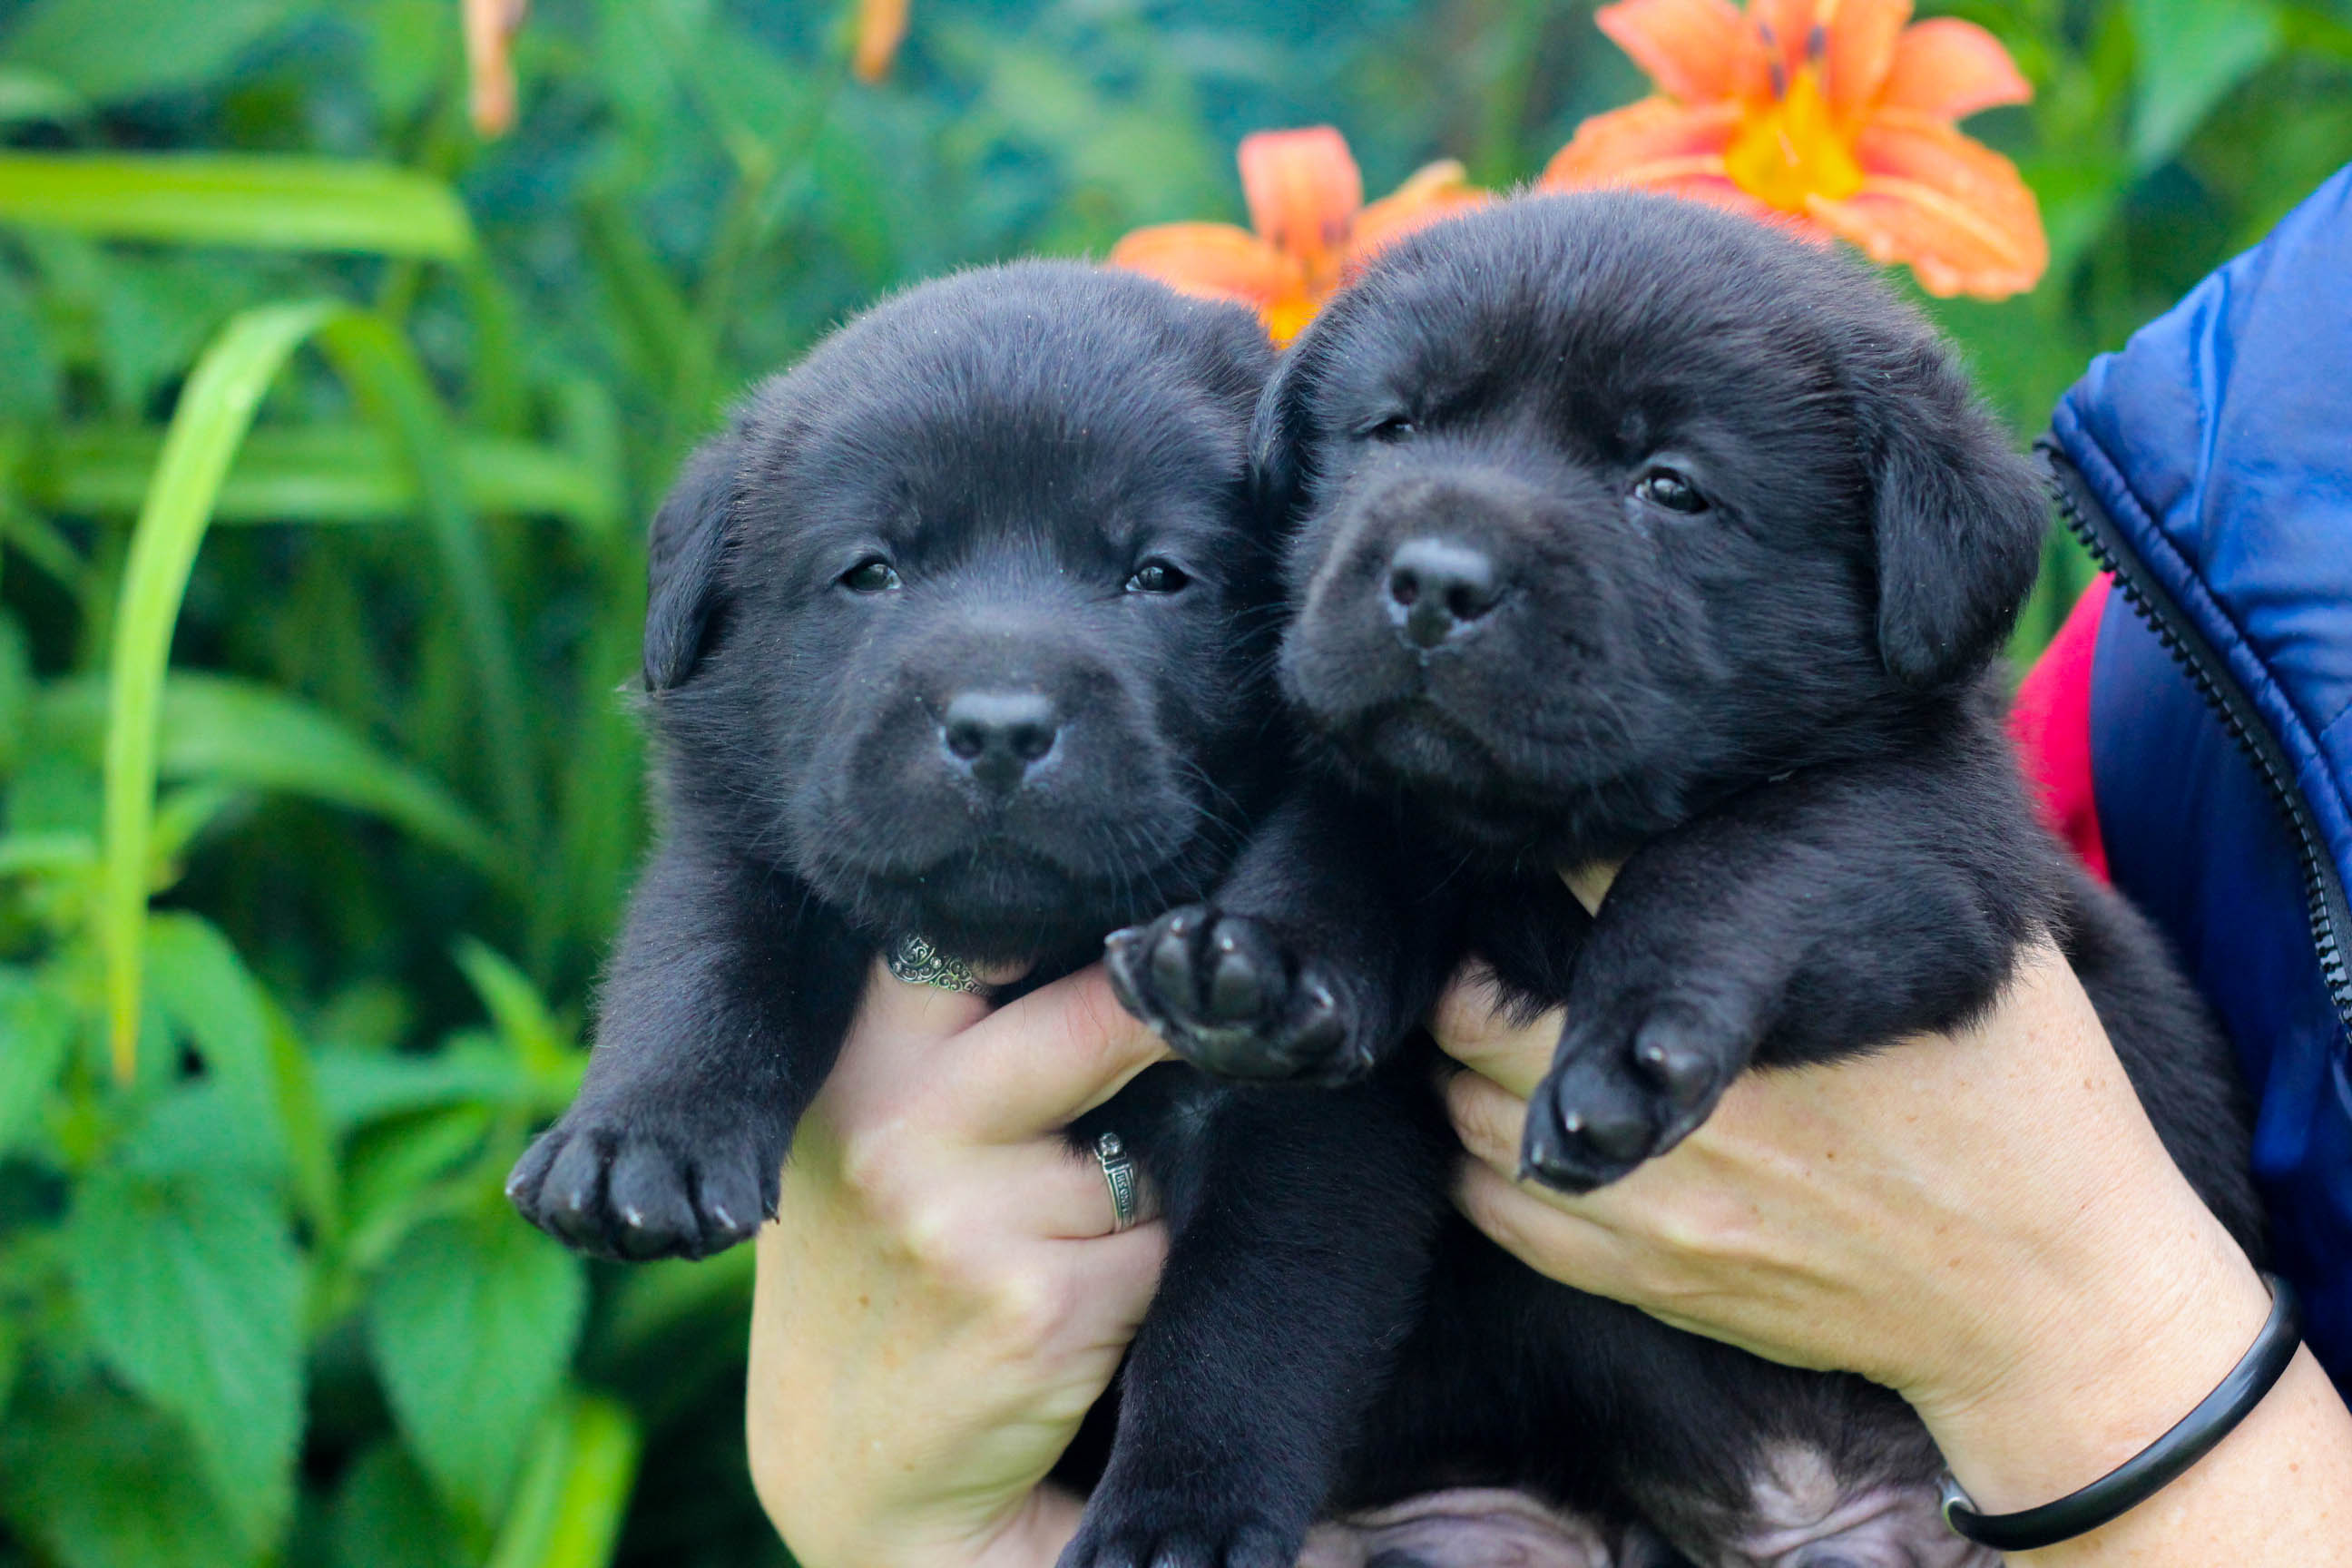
<point>1437,589</point>
<point>996,735</point>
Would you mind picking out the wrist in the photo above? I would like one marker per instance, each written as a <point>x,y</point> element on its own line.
<point>1031,1534</point>
<point>2102,1369</point>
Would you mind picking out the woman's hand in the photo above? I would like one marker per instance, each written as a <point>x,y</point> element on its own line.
<point>1987,1223</point>
<point>940,1298</point>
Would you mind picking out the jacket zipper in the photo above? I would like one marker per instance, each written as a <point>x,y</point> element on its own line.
<point>2324,901</point>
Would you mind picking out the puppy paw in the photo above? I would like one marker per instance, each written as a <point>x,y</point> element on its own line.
<point>621,1183</point>
<point>1160,1530</point>
<point>1629,1082</point>
<point>1225,992</point>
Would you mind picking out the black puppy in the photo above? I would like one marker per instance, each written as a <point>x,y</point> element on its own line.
<point>964,628</point>
<point>1629,529</point>
<point>949,634</point>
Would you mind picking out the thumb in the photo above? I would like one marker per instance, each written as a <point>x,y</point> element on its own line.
<point>905,1010</point>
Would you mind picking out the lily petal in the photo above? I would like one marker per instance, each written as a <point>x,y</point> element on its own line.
<point>1215,260</point>
<point>1951,208</point>
<point>1304,190</point>
<point>881,29</point>
<point>1699,51</point>
<point>1861,39</point>
<point>1433,191</point>
<point>1948,70</point>
<point>490,27</point>
<point>1650,144</point>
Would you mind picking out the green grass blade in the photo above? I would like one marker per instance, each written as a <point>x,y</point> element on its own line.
<point>273,204</point>
<point>215,411</point>
<point>567,1509</point>
<point>325,473</point>
<point>218,729</point>
<point>385,375</point>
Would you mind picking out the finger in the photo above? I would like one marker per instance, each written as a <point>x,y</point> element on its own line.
<point>1490,1120</point>
<point>1043,1060</point>
<point>895,1008</point>
<point>1470,1026</point>
<point>1056,1192</point>
<point>1546,1238</point>
<point>1116,1276</point>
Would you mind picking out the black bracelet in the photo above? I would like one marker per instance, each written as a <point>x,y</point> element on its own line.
<point>2148,1472</point>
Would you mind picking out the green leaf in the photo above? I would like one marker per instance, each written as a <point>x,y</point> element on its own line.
<point>541,1044</point>
<point>197,980</point>
<point>30,390</point>
<point>269,204</point>
<point>392,1177</point>
<point>112,49</point>
<point>219,729</point>
<point>359,1087</point>
<point>36,1032</point>
<point>215,410</point>
<point>574,1489</point>
<point>385,376</point>
<point>327,473</point>
<point>30,95</point>
<point>655,1300</point>
<point>2191,53</point>
<point>472,1324</point>
<point>101,1482</point>
<point>386,1516</point>
<point>193,1292</point>
<point>15,689</point>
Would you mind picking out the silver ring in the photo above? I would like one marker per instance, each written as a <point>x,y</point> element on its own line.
<point>1118,1175</point>
<point>918,963</point>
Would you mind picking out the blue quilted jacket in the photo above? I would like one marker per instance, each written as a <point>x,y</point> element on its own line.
<point>2209,465</point>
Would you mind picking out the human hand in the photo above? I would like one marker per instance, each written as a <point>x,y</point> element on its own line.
<point>940,1298</point>
<point>1985,1222</point>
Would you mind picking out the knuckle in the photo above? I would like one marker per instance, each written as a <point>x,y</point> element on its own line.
<point>873,1162</point>
<point>1024,1307</point>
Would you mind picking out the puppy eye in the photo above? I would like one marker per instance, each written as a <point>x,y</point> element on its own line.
<point>1156,577</point>
<point>1395,427</point>
<point>873,576</point>
<point>1670,489</point>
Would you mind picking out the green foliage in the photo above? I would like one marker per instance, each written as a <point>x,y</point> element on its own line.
<point>472,1328</point>
<point>192,1292</point>
<point>322,430</point>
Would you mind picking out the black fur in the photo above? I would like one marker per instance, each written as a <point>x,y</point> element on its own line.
<point>1015,443</point>
<point>1625,529</point>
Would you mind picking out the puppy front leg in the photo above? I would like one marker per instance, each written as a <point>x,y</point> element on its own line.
<point>1810,919</point>
<point>1311,963</point>
<point>1302,1245</point>
<point>723,1011</point>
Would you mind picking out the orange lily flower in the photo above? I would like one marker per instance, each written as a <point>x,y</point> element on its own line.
<point>1312,228</point>
<point>881,29</point>
<point>1831,116</point>
<point>490,27</point>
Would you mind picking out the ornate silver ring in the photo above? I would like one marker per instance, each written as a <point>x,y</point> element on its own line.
<point>1118,1175</point>
<point>918,963</point>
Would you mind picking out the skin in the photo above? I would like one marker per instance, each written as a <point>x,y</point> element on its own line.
<point>1985,1223</point>
<point>940,1297</point>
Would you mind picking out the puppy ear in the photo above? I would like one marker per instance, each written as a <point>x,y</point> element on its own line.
<point>682,560</point>
<point>1957,516</point>
<point>1279,430</point>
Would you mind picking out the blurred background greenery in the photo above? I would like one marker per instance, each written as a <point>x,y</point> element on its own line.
<point>260,1298</point>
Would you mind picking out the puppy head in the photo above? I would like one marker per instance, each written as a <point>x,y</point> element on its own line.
<point>1606,503</point>
<point>954,621</point>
